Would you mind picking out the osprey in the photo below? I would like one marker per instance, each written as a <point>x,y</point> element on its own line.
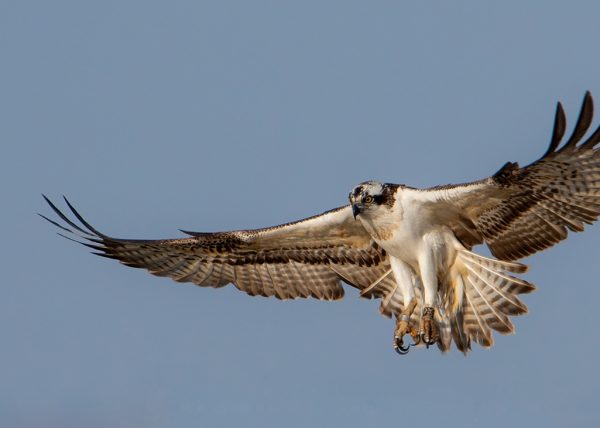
<point>411,248</point>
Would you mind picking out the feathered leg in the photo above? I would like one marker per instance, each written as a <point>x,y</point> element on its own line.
<point>405,279</point>
<point>429,332</point>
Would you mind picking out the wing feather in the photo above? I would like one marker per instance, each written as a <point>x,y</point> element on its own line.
<point>308,258</point>
<point>521,210</point>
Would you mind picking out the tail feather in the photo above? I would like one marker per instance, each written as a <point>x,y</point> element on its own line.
<point>444,324</point>
<point>474,324</point>
<point>462,340</point>
<point>489,298</point>
<point>492,263</point>
<point>502,289</point>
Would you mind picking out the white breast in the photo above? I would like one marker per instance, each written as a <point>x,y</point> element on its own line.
<point>409,229</point>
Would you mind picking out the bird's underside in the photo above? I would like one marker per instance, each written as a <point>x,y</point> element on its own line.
<point>409,247</point>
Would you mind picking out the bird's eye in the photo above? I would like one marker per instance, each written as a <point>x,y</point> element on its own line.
<point>368,199</point>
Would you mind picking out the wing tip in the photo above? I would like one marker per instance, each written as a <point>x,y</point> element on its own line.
<point>582,125</point>
<point>584,120</point>
<point>560,126</point>
<point>91,234</point>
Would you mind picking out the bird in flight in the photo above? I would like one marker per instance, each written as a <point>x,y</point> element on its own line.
<point>409,247</point>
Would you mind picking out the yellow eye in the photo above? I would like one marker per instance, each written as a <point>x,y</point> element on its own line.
<point>368,199</point>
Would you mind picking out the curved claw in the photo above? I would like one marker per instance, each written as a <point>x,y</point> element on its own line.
<point>417,341</point>
<point>401,350</point>
<point>425,341</point>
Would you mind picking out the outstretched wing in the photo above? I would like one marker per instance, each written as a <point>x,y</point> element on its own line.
<point>301,259</point>
<point>519,211</point>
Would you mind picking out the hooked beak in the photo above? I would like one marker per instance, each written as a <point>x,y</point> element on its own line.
<point>355,210</point>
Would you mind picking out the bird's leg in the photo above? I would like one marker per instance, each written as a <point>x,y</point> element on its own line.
<point>428,266</point>
<point>405,281</point>
<point>403,327</point>
<point>429,332</point>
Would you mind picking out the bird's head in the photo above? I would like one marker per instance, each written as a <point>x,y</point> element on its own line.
<point>371,196</point>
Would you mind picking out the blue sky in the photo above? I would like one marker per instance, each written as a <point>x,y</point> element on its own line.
<point>153,116</point>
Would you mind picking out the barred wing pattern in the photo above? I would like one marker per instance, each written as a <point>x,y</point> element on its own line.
<point>308,258</point>
<point>519,211</point>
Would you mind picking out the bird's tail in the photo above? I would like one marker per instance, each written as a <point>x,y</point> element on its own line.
<point>479,295</point>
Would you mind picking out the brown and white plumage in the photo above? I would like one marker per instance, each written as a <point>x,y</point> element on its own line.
<point>410,247</point>
<point>519,211</point>
<point>308,258</point>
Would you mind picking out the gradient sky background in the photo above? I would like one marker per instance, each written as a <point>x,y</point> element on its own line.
<point>153,116</point>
